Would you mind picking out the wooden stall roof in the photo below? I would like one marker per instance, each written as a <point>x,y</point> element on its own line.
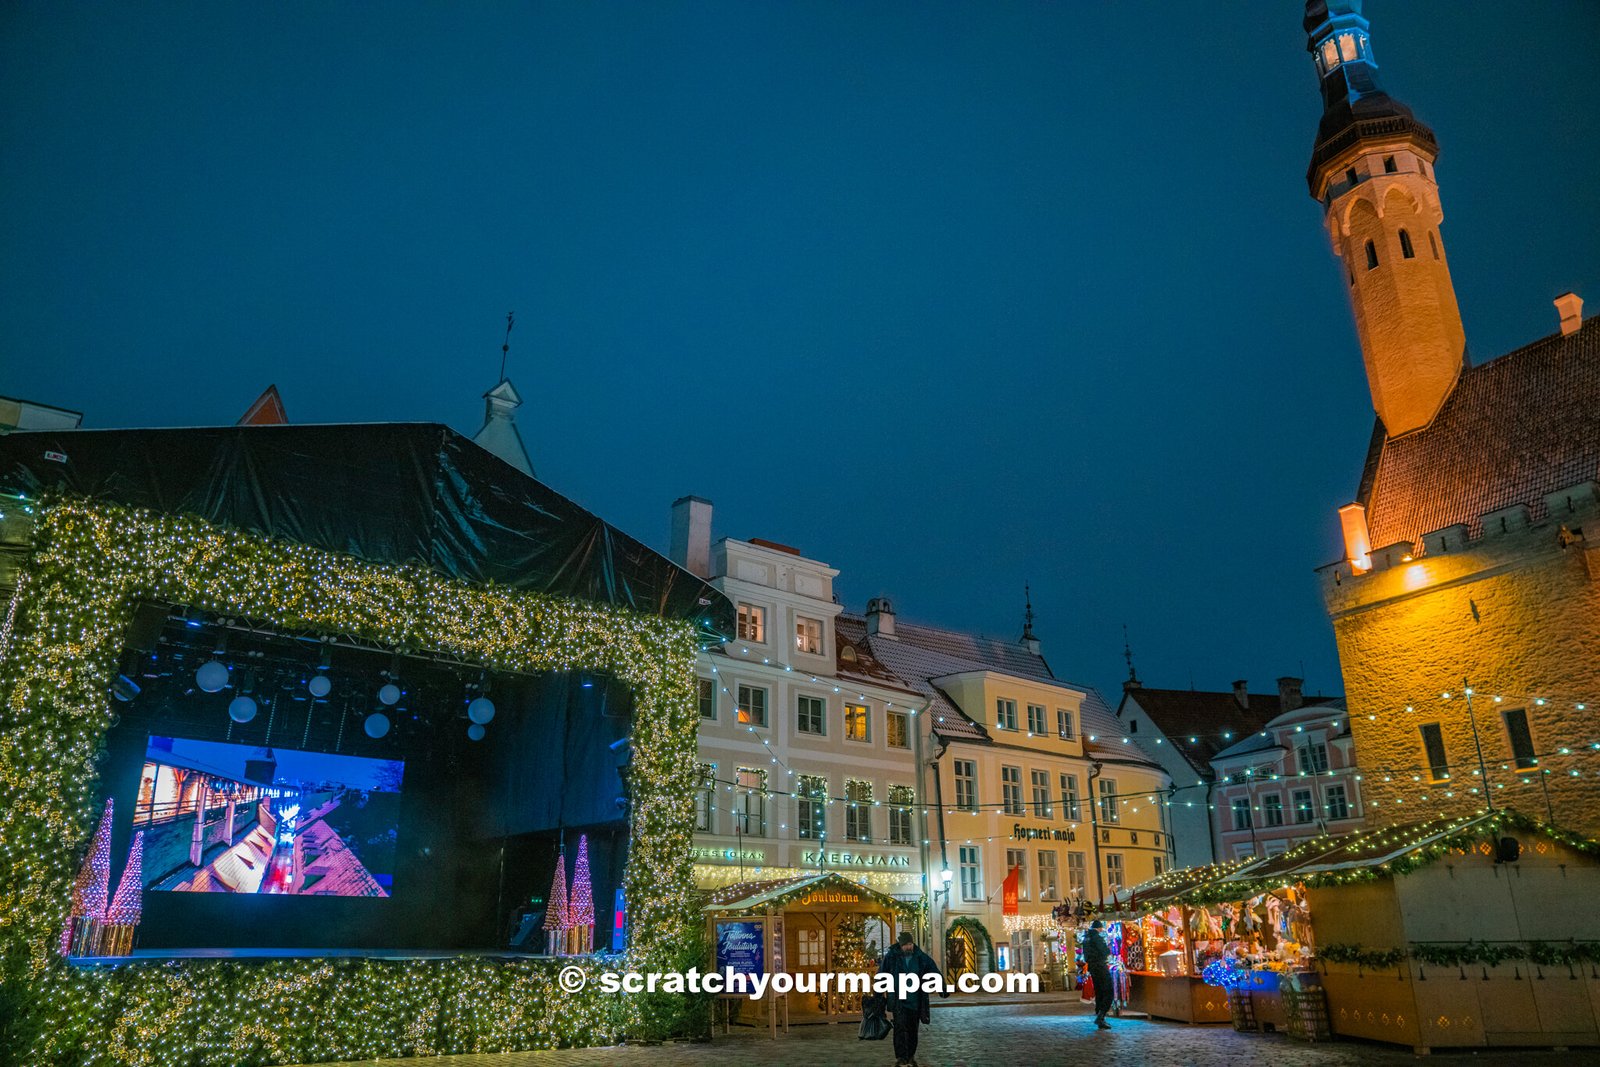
<point>746,897</point>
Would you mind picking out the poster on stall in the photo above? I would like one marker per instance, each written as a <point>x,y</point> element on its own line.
<point>739,946</point>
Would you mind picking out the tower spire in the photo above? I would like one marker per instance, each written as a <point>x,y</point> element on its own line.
<point>1028,639</point>
<point>1127,654</point>
<point>499,431</point>
<point>1372,171</point>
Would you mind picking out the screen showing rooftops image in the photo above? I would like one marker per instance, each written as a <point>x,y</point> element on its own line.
<point>224,818</point>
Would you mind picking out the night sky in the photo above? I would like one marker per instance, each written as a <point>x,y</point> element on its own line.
<point>950,296</point>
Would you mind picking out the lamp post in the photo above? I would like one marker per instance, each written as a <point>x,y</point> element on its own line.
<point>1483,771</point>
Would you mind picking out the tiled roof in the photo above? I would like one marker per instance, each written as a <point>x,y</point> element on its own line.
<point>1515,429</point>
<point>918,654</point>
<point>1207,717</point>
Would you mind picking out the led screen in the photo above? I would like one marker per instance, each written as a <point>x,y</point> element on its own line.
<point>226,818</point>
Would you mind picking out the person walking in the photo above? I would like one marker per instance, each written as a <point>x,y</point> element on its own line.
<point>1097,957</point>
<point>908,1011</point>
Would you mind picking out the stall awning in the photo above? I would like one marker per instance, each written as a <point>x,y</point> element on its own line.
<point>747,897</point>
<point>385,493</point>
<point>1375,853</point>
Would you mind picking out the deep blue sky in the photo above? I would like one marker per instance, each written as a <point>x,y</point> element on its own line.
<point>951,296</point>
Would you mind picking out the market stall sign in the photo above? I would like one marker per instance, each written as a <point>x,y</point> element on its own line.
<point>831,896</point>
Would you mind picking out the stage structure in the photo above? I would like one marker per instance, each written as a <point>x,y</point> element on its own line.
<point>337,686</point>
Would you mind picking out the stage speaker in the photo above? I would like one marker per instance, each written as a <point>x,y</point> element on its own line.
<point>1507,850</point>
<point>145,627</point>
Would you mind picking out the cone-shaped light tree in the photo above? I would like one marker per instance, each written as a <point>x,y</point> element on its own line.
<point>555,915</point>
<point>580,913</point>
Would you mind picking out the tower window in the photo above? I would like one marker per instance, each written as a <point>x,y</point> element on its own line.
<point>1330,54</point>
<point>1389,165</point>
<point>1372,256</point>
<point>1433,242</point>
<point>1347,46</point>
<point>1350,176</point>
<point>1405,246</point>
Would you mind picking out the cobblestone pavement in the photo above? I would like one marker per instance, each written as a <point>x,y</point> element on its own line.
<point>1046,1031</point>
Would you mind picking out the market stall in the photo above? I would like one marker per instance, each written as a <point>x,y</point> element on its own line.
<point>1165,945</point>
<point>1450,933</point>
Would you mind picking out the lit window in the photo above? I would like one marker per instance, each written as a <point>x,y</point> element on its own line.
<point>899,730</point>
<point>807,636</point>
<point>752,623</point>
<point>752,705</point>
<point>1347,46</point>
<point>1372,256</point>
<point>1405,246</point>
<point>1330,54</point>
<point>856,722</point>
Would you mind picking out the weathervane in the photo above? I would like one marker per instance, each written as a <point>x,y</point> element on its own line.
<point>505,349</point>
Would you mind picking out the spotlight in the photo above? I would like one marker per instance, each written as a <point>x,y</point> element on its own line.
<point>480,711</point>
<point>476,731</point>
<point>620,743</point>
<point>389,694</point>
<point>377,724</point>
<point>319,685</point>
<point>242,709</point>
<point>124,688</point>
<point>212,676</point>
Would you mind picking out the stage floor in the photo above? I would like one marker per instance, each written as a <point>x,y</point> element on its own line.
<point>152,955</point>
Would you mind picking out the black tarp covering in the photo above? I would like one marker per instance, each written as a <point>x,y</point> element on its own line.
<point>385,492</point>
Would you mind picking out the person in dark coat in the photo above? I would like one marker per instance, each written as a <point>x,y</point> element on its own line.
<point>1097,957</point>
<point>911,1011</point>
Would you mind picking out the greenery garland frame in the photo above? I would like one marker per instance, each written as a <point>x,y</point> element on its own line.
<point>60,641</point>
<point>976,929</point>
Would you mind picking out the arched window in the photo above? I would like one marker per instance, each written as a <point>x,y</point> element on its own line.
<point>1405,246</point>
<point>1433,242</point>
<point>1372,256</point>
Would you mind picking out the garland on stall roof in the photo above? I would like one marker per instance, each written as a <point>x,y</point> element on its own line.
<point>1465,953</point>
<point>91,564</point>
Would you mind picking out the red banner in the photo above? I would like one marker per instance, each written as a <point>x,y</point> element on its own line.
<point>1008,892</point>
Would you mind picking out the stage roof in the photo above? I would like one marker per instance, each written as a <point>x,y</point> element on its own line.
<point>384,492</point>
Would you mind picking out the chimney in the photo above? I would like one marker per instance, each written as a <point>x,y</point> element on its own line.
<point>1241,693</point>
<point>880,617</point>
<point>691,535</point>
<point>1570,307</point>
<point>1289,696</point>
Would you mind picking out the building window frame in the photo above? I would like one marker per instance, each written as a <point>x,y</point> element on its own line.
<point>1017,860</point>
<point>811,806</point>
<point>1272,809</point>
<point>1049,876</point>
<point>811,715</point>
<point>707,693</point>
<point>1064,724</point>
<point>752,705</point>
<point>1005,713</point>
<point>966,782</point>
<point>970,860</point>
<point>1304,803</point>
<point>751,623</point>
<point>1011,790</point>
<point>858,810</point>
<point>901,800</point>
<point>1116,873</point>
<point>750,802</point>
<point>1036,720</point>
<point>705,800</point>
<point>1435,757</point>
<point>1039,784</point>
<point>1336,801</point>
<point>1242,819</point>
<point>808,635</point>
<point>858,723</point>
<point>1519,735</point>
<point>896,729</point>
<point>1077,872</point>
<point>1110,812</point>
<point>1069,797</point>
